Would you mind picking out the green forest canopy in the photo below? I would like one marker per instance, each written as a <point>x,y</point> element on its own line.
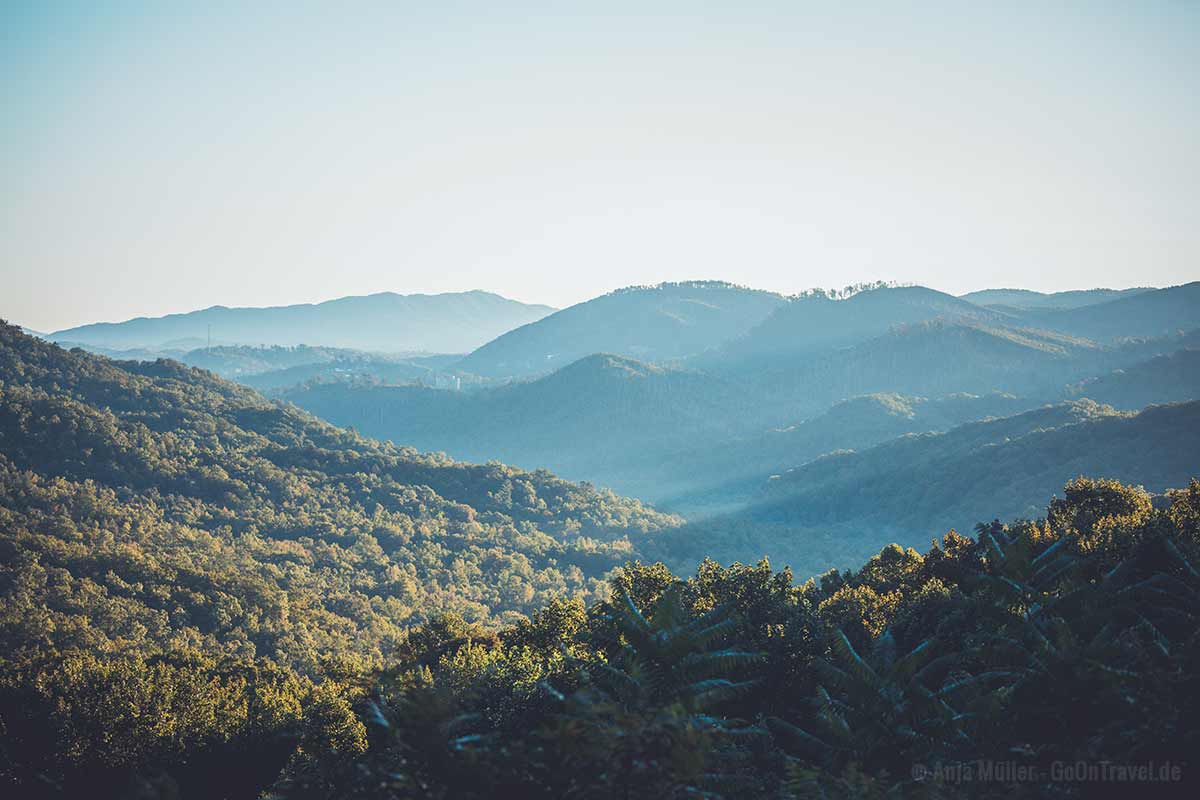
<point>203,594</point>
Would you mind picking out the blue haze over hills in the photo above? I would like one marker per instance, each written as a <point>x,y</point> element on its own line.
<point>701,396</point>
<point>697,396</point>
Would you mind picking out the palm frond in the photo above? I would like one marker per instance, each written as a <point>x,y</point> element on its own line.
<point>859,668</point>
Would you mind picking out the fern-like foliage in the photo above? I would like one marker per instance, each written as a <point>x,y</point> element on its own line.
<point>669,657</point>
<point>651,712</point>
<point>863,702</point>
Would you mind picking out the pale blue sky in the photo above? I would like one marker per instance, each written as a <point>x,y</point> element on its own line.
<point>162,157</point>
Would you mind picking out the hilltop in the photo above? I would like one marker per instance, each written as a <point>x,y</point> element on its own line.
<point>819,322</point>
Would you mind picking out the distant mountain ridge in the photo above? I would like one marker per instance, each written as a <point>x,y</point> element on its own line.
<point>1027,299</point>
<point>1159,312</point>
<point>816,322</point>
<point>672,433</point>
<point>649,323</point>
<point>689,394</point>
<point>933,357</point>
<point>385,322</point>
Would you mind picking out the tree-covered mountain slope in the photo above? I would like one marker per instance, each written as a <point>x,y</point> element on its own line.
<point>830,511</point>
<point>204,594</point>
<point>1049,658</point>
<point>704,477</point>
<point>1065,640</point>
<point>1168,378</point>
<point>731,473</point>
<point>384,322</point>
<point>152,506</point>
<point>648,323</point>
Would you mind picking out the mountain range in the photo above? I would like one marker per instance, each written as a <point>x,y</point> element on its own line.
<point>818,373</point>
<point>691,395</point>
<point>836,510</point>
<point>1158,312</point>
<point>200,584</point>
<point>648,323</point>
<point>819,492</point>
<point>1026,299</point>
<point>593,419</point>
<point>819,322</point>
<point>385,322</point>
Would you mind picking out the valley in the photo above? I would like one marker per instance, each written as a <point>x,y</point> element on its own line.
<point>599,401</point>
<point>330,514</point>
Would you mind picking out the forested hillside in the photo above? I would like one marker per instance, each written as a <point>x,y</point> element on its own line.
<point>980,668</point>
<point>158,523</point>
<point>655,432</point>
<point>835,510</point>
<point>382,532</point>
<point>1164,379</point>
<point>1065,640</point>
<point>204,594</point>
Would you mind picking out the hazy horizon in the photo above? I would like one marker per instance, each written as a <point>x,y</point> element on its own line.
<point>509,297</point>
<point>162,161</point>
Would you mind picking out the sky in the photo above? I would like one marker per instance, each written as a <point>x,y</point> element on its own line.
<point>163,157</point>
